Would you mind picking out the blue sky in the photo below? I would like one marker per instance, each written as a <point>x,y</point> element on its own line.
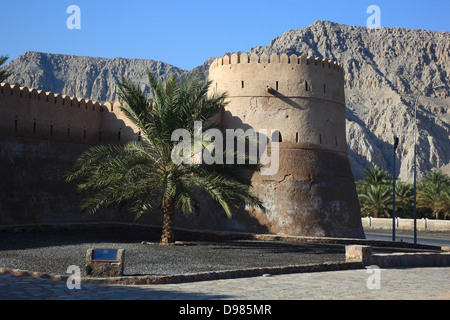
<point>187,32</point>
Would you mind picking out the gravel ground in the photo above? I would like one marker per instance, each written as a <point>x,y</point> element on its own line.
<point>54,251</point>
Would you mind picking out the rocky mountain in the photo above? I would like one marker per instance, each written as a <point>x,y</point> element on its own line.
<point>85,77</point>
<point>385,70</point>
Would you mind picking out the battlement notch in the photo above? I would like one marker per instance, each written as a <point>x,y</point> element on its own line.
<point>283,59</point>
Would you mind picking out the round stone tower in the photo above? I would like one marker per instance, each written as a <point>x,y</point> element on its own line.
<point>302,100</point>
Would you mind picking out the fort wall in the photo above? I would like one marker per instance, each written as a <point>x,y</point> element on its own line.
<point>38,114</point>
<point>312,194</point>
<point>41,136</point>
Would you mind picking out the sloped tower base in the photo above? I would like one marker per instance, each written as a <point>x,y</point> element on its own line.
<point>311,195</point>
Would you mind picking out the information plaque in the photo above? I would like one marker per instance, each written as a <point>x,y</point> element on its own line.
<point>105,254</point>
<point>102,262</point>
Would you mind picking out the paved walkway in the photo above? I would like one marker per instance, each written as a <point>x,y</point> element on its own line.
<point>414,283</point>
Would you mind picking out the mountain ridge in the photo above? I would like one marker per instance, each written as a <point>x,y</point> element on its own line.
<point>384,69</point>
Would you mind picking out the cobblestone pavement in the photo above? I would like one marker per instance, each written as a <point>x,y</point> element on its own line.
<point>410,284</point>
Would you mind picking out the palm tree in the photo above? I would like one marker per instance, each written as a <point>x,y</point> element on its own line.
<point>431,189</point>
<point>373,177</point>
<point>4,71</point>
<point>142,173</point>
<point>404,198</point>
<point>376,201</point>
<point>443,203</point>
<point>376,176</point>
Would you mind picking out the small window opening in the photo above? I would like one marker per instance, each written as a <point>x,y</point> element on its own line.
<point>296,137</point>
<point>242,84</point>
<point>16,124</point>
<point>320,138</point>
<point>276,136</point>
<point>276,85</point>
<point>306,85</point>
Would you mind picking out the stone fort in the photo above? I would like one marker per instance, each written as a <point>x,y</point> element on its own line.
<point>302,98</point>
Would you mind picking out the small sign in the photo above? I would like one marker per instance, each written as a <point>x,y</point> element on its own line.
<point>105,255</point>
<point>104,262</point>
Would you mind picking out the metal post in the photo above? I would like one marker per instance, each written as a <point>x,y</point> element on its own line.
<point>393,201</point>
<point>415,169</point>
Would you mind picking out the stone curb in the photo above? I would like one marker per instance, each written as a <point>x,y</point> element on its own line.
<point>205,276</point>
<point>364,255</point>
<point>222,235</point>
<point>194,277</point>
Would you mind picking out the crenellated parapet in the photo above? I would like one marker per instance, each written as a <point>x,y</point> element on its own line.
<point>282,59</point>
<point>302,97</point>
<point>32,113</point>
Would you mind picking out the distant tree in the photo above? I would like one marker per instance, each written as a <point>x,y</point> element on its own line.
<point>375,193</point>
<point>4,71</point>
<point>432,192</point>
<point>404,199</point>
<point>376,201</point>
<point>443,203</point>
<point>374,177</point>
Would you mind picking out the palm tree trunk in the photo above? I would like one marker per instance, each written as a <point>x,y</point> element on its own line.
<point>168,236</point>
